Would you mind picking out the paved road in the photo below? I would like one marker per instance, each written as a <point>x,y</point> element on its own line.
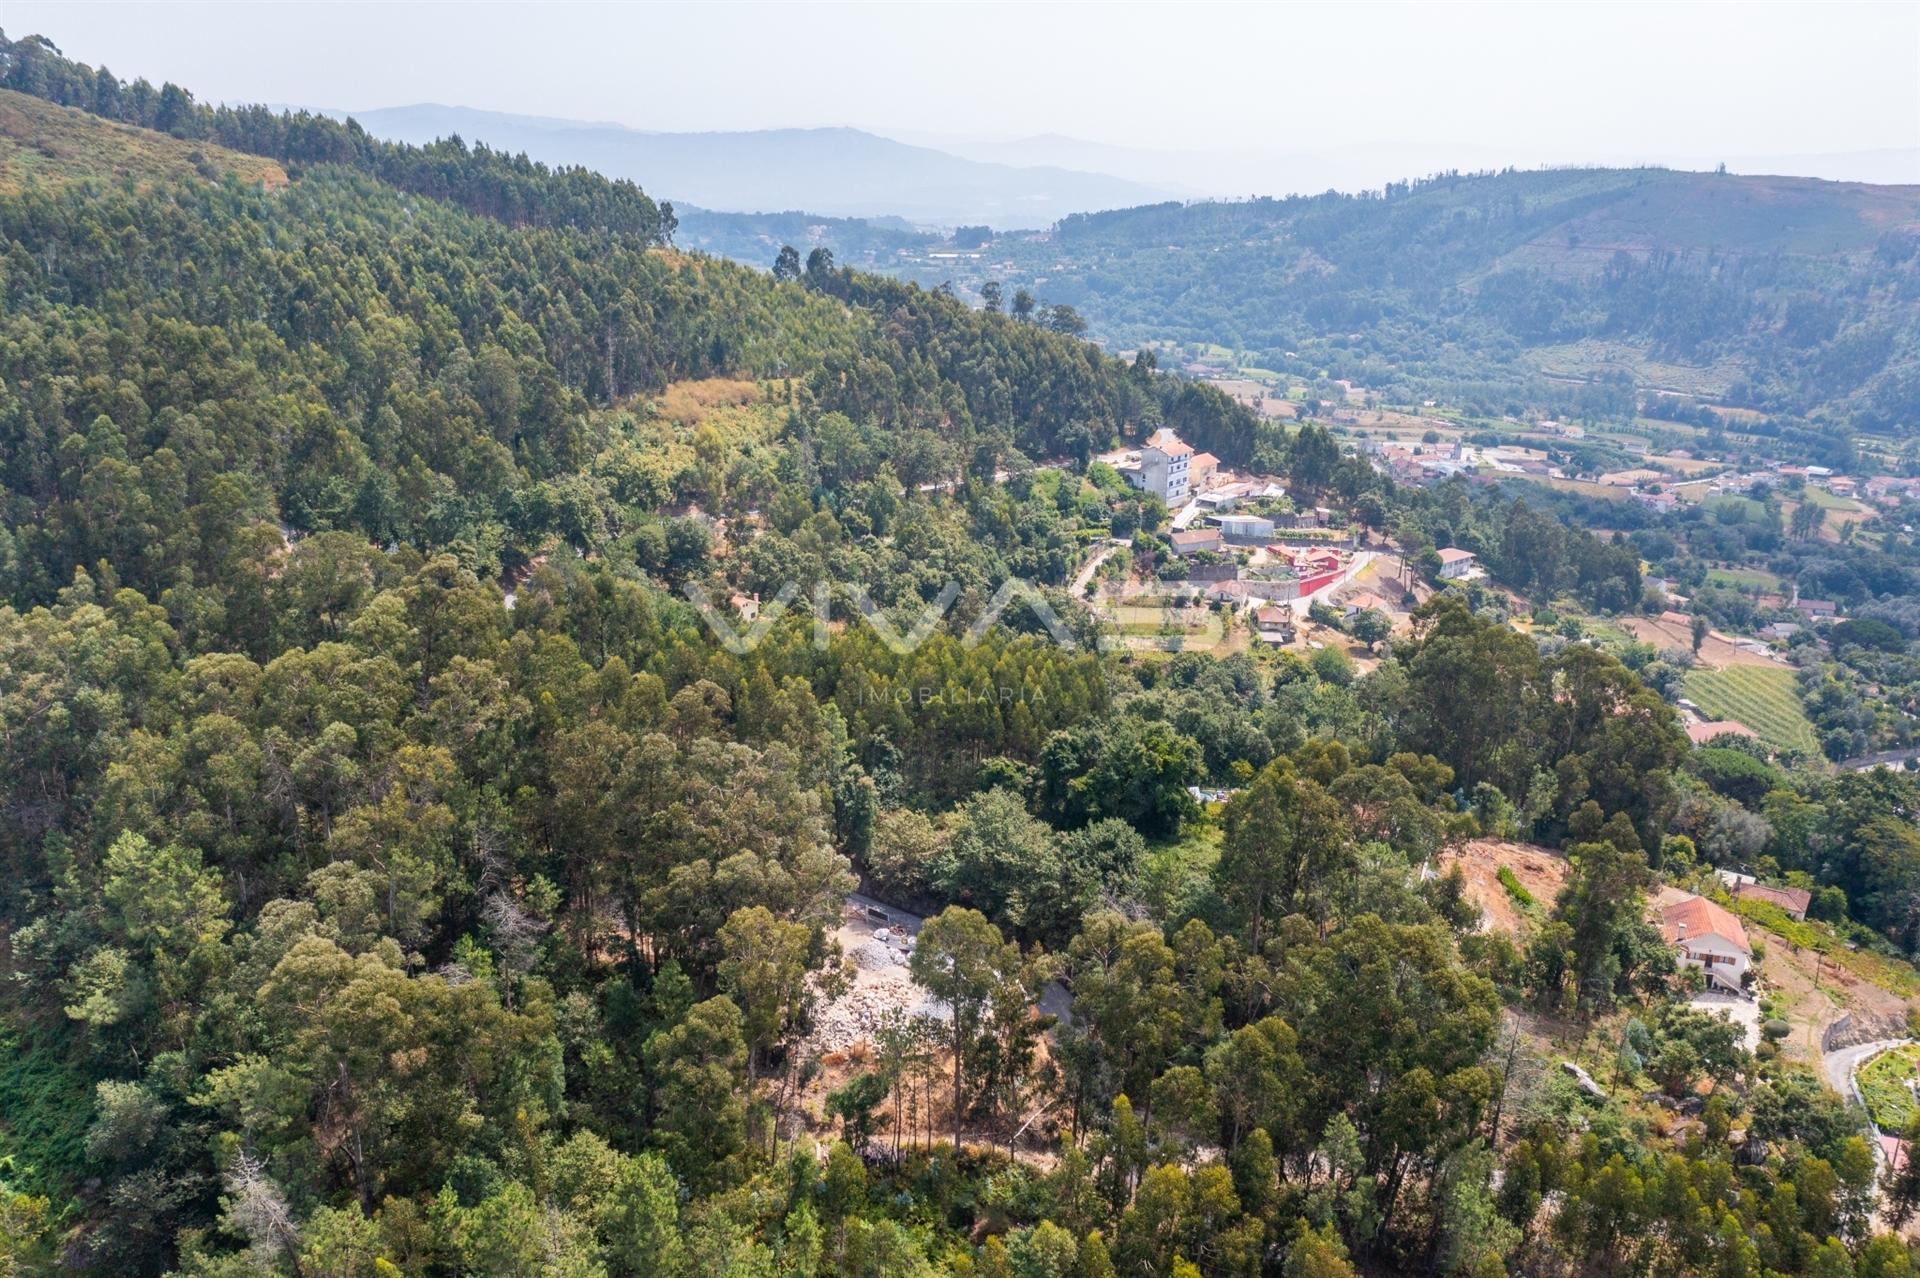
<point>1843,1064</point>
<point>1078,587</point>
<point>1885,759</point>
<point>1358,565</point>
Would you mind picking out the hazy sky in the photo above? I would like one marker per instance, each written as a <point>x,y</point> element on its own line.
<point>1564,81</point>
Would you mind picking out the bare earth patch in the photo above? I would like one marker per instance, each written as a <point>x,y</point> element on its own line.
<point>1716,651</point>
<point>1541,871</point>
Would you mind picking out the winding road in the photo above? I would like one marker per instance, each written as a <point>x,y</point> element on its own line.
<point>1842,1067</point>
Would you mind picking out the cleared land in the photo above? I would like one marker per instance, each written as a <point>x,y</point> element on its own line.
<point>1594,357</point>
<point>1765,698</point>
<point>1716,652</point>
<point>1749,578</point>
<point>43,144</point>
<point>1538,873</point>
<point>1840,511</point>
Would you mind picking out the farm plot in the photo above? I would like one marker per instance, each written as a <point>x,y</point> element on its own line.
<point>1765,698</point>
<point>1887,1086</point>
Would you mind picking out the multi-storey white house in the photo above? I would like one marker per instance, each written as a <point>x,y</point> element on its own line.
<point>1456,564</point>
<point>1162,467</point>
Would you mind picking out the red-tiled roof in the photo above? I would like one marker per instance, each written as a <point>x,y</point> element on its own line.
<point>1699,733</point>
<point>1453,555</point>
<point>1792,900</point>
<point>1697,916</point>
<point>1169,443</point>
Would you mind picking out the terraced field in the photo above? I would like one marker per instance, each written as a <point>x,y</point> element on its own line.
<point>1765,698</point>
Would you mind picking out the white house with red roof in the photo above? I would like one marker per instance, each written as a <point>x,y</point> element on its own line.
<point>1456,564</point>
<point>1708,936</point>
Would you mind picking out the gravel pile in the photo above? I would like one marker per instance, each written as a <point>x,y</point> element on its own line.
<point>877,956</point>
<point>857,1015</point>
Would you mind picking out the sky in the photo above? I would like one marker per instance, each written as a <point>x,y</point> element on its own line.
<point>1562,82</point>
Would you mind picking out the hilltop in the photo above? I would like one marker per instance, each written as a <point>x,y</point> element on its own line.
<point>42,143</point>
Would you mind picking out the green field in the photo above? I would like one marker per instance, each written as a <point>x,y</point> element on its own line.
<point>1593,357</point>
<point>1765,698</point>
<point>1751,511</point>
<point>1883,1086</point>
<point>1828,501</point>
<point>1751,578</point>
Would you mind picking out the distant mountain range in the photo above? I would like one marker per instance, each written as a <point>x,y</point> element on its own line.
<point>1010,184</point>
<point>836,172</point>
<point>1785,294</point>
<point>1255,171</point>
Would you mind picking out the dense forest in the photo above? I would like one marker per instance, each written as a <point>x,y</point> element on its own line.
<point>399,878</point>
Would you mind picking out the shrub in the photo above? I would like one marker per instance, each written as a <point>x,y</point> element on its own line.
<point>1515,889</point>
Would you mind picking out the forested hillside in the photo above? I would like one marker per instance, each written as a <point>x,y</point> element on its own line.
<point>1799,296</point>
<point>398,877</point>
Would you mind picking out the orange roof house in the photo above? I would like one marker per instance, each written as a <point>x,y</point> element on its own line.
<point>1697,916</point>
<point>1707,936</point>
<point>1169,443</point>
<point>1792,900</point>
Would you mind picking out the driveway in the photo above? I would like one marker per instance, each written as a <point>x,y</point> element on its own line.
<point>1358,565</point>
<point>1741,1011</point>
<point>1078,586</point>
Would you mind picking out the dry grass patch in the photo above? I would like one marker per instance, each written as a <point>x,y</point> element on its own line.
<point>687,403</point>
<point>48,145</point>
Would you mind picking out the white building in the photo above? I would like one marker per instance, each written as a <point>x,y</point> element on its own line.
<point>1709,937</point>
<point>1250,529</point>
<point>1455,563</point>
<point>1274,624</point>
<point>1164,468</point>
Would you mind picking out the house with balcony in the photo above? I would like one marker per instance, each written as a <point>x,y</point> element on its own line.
<point>1708,936</point>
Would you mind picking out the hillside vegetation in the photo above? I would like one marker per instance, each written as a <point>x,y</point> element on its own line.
<point>44,144</point>
<point>1790,295</point>
<point>400,878</point>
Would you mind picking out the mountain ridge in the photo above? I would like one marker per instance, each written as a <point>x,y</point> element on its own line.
<point>834,170</point>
